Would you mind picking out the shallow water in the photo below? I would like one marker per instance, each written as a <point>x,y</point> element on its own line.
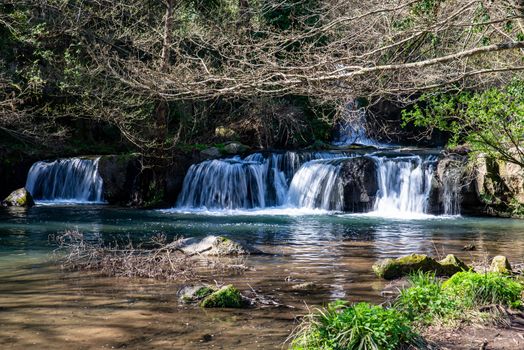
<point>45,308</point>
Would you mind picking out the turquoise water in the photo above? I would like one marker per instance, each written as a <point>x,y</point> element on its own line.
<point>43,307</point>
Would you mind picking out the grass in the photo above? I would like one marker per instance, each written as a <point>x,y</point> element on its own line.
<point>475,289</point>
<point>359,326</point>
<point>428,301</point>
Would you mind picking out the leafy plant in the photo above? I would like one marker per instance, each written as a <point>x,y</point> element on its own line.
<point>425,300</point>
<point>359,326</point>
<point>475,289</point>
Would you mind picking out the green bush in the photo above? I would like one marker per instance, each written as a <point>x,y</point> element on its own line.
<point>475,289</point>
<point>425,300</point>
<point>360,326</point>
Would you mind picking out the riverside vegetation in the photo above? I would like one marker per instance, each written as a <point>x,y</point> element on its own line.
<point>427,301</point>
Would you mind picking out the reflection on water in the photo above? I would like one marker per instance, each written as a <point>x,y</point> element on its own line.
<point>333,250</point>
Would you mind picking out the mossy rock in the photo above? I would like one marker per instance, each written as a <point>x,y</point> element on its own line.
<point>500,264</point>
<point>19,198</point>
<point>193,294</point>
<point>215,246</point>
<point>227,296</point>
<point>450,265</point>
<point>390,269</point>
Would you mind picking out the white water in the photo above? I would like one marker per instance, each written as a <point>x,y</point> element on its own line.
<point>302,183</point>
<point>404,185</point>
<point>65,181</point>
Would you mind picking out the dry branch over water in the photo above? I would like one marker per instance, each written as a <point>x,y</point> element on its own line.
<point>156,258</point>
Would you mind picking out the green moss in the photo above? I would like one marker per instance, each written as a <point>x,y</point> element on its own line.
<point>451,265</point>
<point>395,268</point>
<point>500,264</point>
<point>227,296</point>
<point>203,292</point>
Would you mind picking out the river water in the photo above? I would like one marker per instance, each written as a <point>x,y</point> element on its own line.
<point>43,307</point>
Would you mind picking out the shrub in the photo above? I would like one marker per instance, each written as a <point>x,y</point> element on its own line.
<point>360,326</point>
<point>425,300</point>
<point>474,289</point>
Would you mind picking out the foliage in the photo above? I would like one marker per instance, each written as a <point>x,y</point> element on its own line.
<point>426,300</point>
<point>491,121</point>
<point>475,289</point>
<point>360,326</point>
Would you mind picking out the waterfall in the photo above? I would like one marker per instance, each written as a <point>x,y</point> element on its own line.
<point>309,180</point>
<point>352,129</point>
<point>316,185</point>
<point>404,184</point>
<point>256,181</point>
<point>66,180</point>
<point>451,186</point>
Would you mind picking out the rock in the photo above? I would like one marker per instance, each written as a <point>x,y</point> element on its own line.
<point>306,286</point>
<point>215,246</point>
<point>211,152</point>
<point>500,264</point>
<point>450,265</point>
<point>469,247</point>
<point>395,268</point>
<point>227,296</point>
<point>119,173</point>
<point>359,181</point>
<point>235,148</point>
<point>19,198</point>
<point>193,294</point>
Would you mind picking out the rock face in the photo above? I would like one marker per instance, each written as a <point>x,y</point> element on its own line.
<point>395,268</point>
<point>359,180</point>
<point>120,174</point>
<point>215,246</point>
<point>19,198</point>
<point>210,153</point>
<point>500,264</point>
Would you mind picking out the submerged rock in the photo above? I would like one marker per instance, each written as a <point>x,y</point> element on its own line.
<point>193,294</point>
<point>500,264</point>
<point>227,296</point>
<point>215,246</point>
<point>19,198</point>
<point>395,268</point>
<point>306,286</point>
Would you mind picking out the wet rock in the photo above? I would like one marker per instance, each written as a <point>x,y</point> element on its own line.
<point>193,294</point>
<point>306,286</point>
<point>469,247</point>
<point>227,296</point>
<point>359,180</point>
<point>500,264</point>
<point>119,173</point>
<point>19,198</point>
<point>211,152</point>
<point>450,265</point>
<point>215,246</point>
<point>395,268</point>
<point>235,148</point>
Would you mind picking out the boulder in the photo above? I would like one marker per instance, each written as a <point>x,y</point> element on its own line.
<point>395,268</point>
<point>359,181</point>
<point>193,294</point>
<point>120,175</point>
<point>19,198</point>
<point>215,246</point>
<point>211,152</point>
<point>450,265</point>
<point>235,148</point>
<point>500,264</point>
<point>227,296</point>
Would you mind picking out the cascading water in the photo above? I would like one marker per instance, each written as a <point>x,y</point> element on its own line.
<point>305,181</point>
<point>352,130</point>
<point>66,180</point>
<point>404,184</point>
<point>451,186</point>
